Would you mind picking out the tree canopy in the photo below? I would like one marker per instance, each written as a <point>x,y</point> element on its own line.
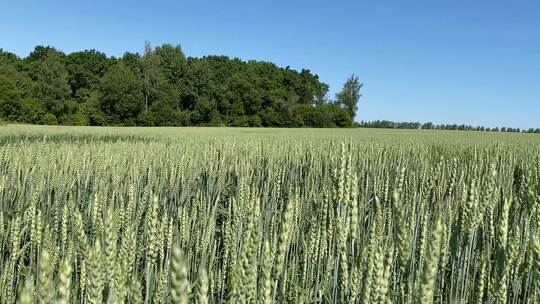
<point>164,87</point>
<point>349,95</point>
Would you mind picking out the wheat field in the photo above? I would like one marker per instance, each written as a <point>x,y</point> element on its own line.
<point>210,215</point>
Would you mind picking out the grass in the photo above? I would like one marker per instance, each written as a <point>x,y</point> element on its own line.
<point>240,215</point>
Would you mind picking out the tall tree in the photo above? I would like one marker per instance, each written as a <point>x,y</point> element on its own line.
<point>150,73</point>
<point>7,58</point>
<point>349,95</point>
<point>9,98</point>
<point>47,69</point>
<point>172,62</point>
<point>121,98</point>
<point>85,69</point>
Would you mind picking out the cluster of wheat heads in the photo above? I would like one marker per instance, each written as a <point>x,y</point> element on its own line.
<point>253,220</point>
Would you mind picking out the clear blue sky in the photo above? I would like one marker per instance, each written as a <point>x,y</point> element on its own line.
<point>474,62</point>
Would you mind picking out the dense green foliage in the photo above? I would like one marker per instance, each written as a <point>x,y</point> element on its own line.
<point>350,94</point>
<point>164,88</point>
<point>205,215</point>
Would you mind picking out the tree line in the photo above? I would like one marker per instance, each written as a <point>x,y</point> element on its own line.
<point>163,87</point>
<point>386,124</point>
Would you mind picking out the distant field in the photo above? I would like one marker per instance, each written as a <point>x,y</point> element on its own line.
<point>246,215</point>
<point>262,133</point>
